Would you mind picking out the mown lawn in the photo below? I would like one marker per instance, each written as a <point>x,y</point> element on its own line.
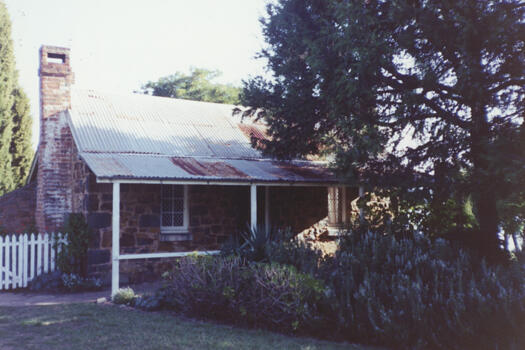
<point>91,326</point>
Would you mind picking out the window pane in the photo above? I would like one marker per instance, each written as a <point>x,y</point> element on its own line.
<point>166,219</point>
<point>178,219</point>
<point>178,204</point>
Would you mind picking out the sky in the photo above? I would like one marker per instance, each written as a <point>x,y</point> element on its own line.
<point>118,45</point>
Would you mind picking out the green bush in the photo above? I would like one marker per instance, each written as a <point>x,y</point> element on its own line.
<point>418,293</point>
<point>277,246</point>
<point>400,291</point>
<point>124,296</point>
<point>64,282</point>
<point>73,256</point>
<point>232,289</point>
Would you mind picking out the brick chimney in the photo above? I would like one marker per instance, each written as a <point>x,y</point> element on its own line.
<point>53,199</point>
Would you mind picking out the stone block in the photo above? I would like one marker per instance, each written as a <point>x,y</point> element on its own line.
<point>98,256</point>
<point>149,220</point>
<point>99,220</point>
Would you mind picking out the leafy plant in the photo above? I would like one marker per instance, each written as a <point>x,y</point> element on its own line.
<point>73,256</point>
<point>64,282</point>
<point>232,289</point>
<point>124,296</point>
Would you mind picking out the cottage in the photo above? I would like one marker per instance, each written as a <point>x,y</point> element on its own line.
<point>159,177</point>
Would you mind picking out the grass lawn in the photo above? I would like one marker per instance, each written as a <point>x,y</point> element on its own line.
<point>91,326</point>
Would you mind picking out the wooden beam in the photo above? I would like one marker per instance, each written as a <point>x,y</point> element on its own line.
<point>253,206</point>
<point>218,183</point>
<point>115,248</point>
<point>167,255</point>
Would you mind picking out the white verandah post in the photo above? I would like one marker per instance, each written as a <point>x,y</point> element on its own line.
<point>253,206</point>
<point>115,247</point>
<point>267,208</point>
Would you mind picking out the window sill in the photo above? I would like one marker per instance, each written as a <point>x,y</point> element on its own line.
<point>175,236</point>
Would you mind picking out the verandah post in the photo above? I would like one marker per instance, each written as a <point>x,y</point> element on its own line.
<point>115,247</point>
<point>267,208</point>
<point>253,206</point>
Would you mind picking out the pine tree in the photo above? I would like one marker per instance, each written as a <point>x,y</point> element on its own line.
<point>7,80</point>
<point>21,150</point>
<point>15,121</point>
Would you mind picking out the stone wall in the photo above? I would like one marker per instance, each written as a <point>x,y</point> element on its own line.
<point>216,213</point>
<point>17,210</point>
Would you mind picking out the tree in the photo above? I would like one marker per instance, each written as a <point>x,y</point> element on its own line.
<point>15,121</point>
<point>407,93</point>
<point>21,150</point>
<point>197,86</point>
<point>7,83</point>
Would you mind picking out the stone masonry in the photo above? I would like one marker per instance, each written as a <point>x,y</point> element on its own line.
<point>53,194</point>
<point>17,210</point>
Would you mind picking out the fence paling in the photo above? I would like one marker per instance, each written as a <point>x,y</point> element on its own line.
<point>24,257</point>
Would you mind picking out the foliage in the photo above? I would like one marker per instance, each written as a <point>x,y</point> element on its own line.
<point>258,294</point>
<point>15,122</point>
<point>57,281</point>
<point>124,296</point>
<point>21,150</point>
<point>276,246</point>
<point>76,283</point>
<point>413,96</point>
<point>197,86</point>
<point>73,256</point>
<point>148,302</point>
<point>402,289</point>
<point>418,293</point>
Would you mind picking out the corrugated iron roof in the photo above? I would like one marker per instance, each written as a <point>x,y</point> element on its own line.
<point>146,137</point>
<point>157,125</point>
<point>147,166</point>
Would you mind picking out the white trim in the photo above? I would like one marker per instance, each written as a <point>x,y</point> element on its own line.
<point>267,208</point>
<point>361,210</point>
<point>115,247</point>
<point>218,182</point>
<point>253,206</point>
<point>167,255</point>
<point>343,205</point>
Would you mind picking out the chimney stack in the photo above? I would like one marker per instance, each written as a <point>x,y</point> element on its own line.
<point>55,147</point>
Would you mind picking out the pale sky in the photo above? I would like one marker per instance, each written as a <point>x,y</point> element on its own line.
<point>117,45</point>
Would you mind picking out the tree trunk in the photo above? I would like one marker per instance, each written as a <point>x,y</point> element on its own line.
<point>484,192</point>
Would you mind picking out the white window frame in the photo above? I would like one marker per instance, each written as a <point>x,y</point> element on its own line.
<point>167,230</point>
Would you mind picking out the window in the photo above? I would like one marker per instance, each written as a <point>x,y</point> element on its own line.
<point>337,213</point>
<point>174,209</point>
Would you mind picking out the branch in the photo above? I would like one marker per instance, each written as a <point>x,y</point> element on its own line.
<point>511,82</point>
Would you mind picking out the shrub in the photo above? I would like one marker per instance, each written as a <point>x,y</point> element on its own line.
<point>277,246</point>
<point>63,282</point>
<point>73,256</point>
<point>414,292</point>
<point>75,283</point>
<point>124,296</point>
<point>232,289</point>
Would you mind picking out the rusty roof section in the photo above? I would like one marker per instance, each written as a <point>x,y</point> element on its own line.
<point>206,168</point>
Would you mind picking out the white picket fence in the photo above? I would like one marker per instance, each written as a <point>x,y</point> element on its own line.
<point>23,257</point>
